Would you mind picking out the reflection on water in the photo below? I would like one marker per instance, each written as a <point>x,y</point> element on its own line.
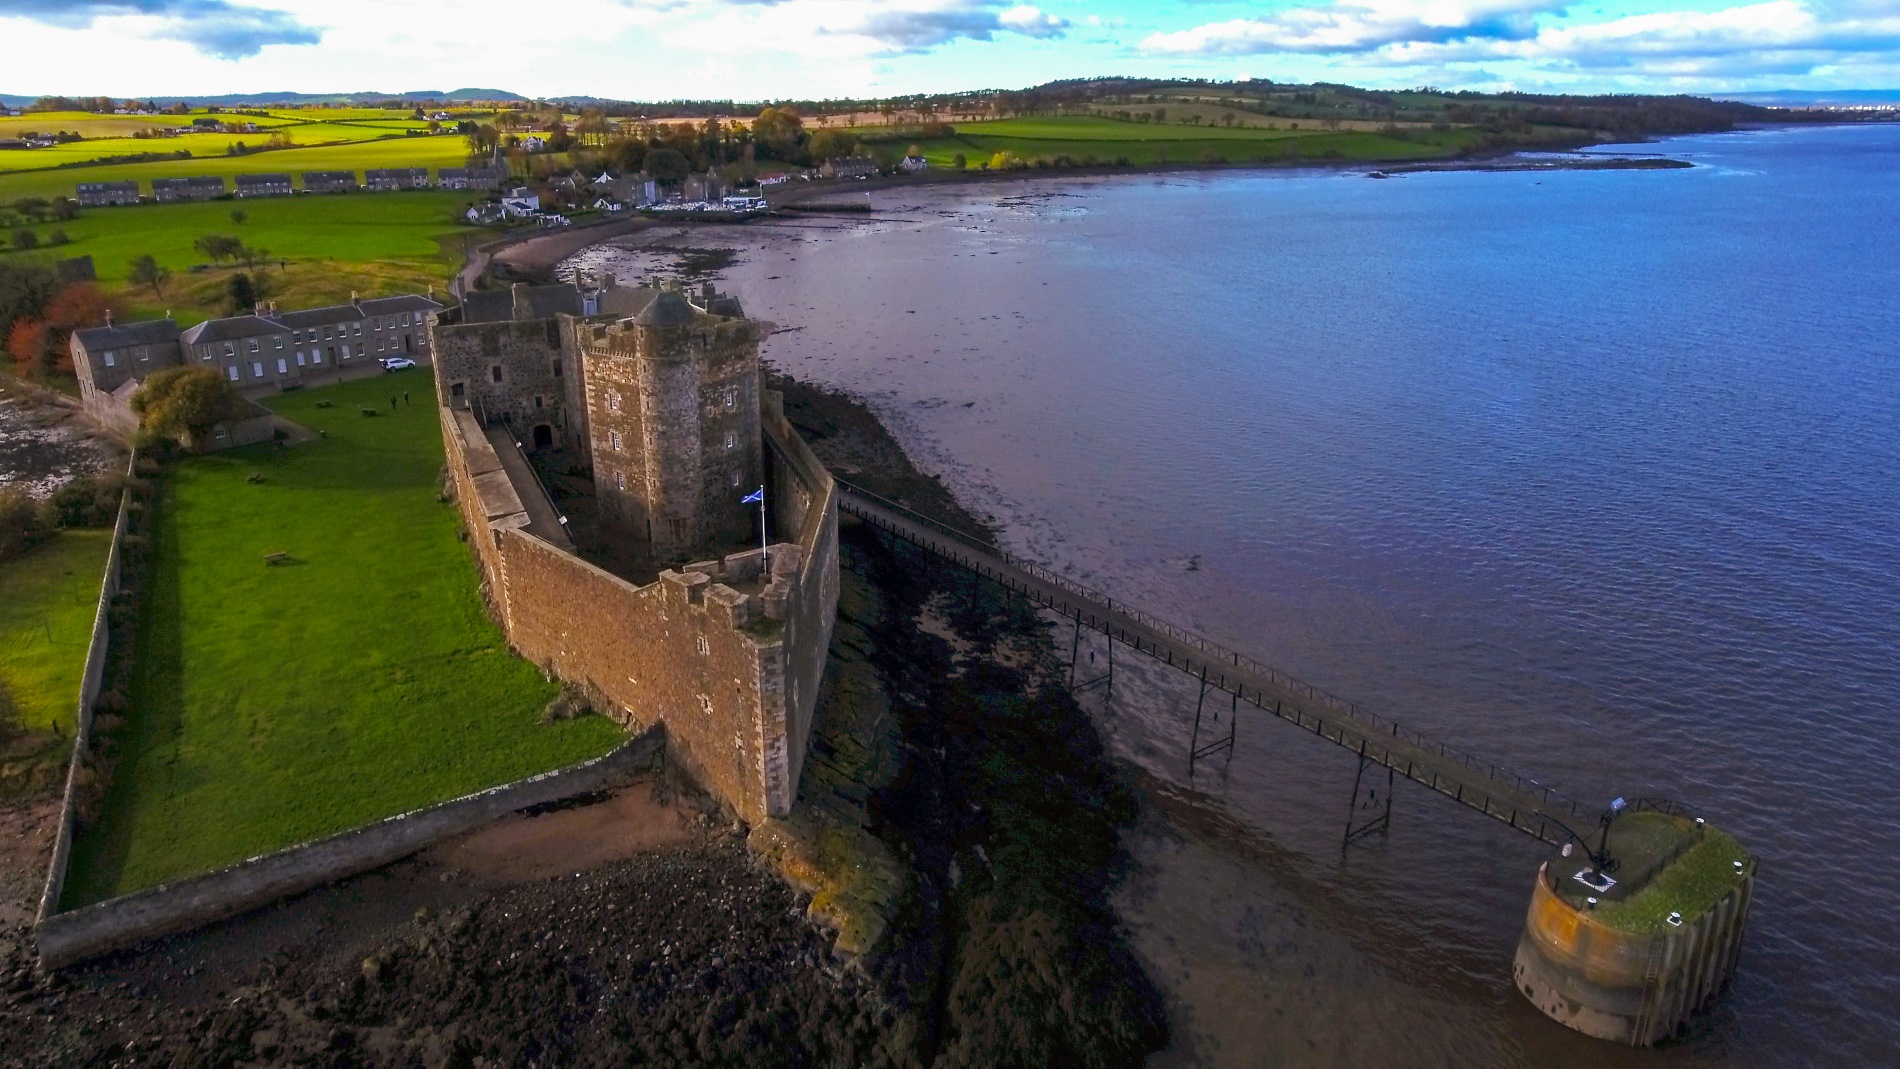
<point>1591,473</point>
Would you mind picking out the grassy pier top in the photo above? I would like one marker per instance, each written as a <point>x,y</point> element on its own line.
<point>1665,864</point>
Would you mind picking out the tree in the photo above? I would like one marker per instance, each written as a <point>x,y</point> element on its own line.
<point>26,344</point>
<point>218,247</point>
<point>669,165</point>
<point>777,132</point>
<point>23,523</point>
<point>184,402</point>
<point>833,144</point>
<point>243,294</point>
<point>959,162</point>
<point>238,216</point>
<point>147,272</point>
<point>24,238</point>
<point>57,237</point>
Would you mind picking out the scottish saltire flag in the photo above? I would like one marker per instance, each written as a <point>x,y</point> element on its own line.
<point>756,497</point>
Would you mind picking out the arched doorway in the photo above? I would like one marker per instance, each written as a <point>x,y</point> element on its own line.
<point>543,436</point>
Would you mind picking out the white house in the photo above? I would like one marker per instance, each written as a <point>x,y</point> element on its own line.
<point>914,165</point>
<point>521,202</point>
<point>534,143</point>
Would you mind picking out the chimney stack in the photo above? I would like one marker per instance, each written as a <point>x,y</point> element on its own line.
<point>109,317</point>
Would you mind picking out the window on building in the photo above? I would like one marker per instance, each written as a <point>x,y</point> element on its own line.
<point>231,372</point>
<point>253,344</point>
<point>494,373</point>
<point>280,341</point>
<point>257,369</point>
<point>735,478</point>
<point>316,356</point>
<point>144,353</point>
<point>613,401</point>
<point>705,647</point>
<point>731,396</point>
<point>732,440</point>
<point>456,389</point>
<point>356,329</point>
<point>229,349</point>
<point>537,400</point>
<point>557,369</point>
<point>299,359</point>
<point>110,358</point>
<point>281,368</point>
<point>379,345</point>
<point>620,480</point>
<point>613,438</point>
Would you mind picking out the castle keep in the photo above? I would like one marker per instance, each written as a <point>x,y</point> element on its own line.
<point>669,611</point>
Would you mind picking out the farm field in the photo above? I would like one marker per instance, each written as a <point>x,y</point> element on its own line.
<point>275,704</point>
<point>47,600</point>
<point>442,150</point>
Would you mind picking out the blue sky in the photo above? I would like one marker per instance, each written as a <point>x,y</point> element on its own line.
<point>762,49</point>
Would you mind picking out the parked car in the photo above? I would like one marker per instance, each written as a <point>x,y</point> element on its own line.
<point>397,363</point>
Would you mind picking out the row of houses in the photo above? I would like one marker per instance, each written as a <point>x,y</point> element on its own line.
<point>210,187</point>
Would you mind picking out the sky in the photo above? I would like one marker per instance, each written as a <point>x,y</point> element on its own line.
<point>753,50</point>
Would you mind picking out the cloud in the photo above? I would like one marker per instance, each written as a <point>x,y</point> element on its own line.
<point>1359,26</point>
<point>904,30</point>
<point>214,27</point>
<point>1769,37</point>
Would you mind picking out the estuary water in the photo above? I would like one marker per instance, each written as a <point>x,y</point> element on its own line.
<point>1592,473</point>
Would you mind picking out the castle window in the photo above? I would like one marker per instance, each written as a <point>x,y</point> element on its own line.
<point>557,369</point>
<point>735,478</point>
<point>613,401</point>
<point>732,396</point>
<point>620,480</point>
<point>614,437</point>
<point>494,373</point>
<point>732,440</point>
<point>705,647</point>
<point>537,400</point>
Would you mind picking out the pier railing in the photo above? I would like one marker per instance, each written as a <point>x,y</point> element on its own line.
<point>1517,800</point>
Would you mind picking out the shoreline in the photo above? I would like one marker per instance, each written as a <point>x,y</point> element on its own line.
<point>534,255</point>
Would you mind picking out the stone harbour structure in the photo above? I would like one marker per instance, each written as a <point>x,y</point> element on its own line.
<point>656,396</point>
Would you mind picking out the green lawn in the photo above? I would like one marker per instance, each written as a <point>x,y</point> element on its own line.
<point>47,600</point>
<point>349,227</point>
<point>1098,128</point>
<point>275,704</point>
<point>442,150</point>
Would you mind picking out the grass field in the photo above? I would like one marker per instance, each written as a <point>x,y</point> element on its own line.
<point>375,244</point>
<point>272,705</point>
<point>1142,144</point>
<point>47,601</point>
<point>443,150</point>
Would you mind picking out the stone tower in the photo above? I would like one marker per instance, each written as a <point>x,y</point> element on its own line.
<point>672,397</point>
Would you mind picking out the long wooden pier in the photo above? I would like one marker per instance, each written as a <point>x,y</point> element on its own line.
<point>1515,800</point>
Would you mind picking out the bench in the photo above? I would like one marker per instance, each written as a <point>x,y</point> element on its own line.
<point>326,404</point>
<point>277,556</point>
<point>371,412</point>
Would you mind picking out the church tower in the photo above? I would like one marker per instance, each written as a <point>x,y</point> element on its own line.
<point>672,398</point>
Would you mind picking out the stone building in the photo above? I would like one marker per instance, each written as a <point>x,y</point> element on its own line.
<point>390,179</point>
<point>167,190</point>
<point>329,181</point>
<point>267,349</point>
<point>106,194</point>
<point>475,178</point>
<point>264,185</point>
<point>658,395</point>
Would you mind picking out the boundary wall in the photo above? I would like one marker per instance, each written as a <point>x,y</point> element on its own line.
<point>184,904</point>
<point>89,680</point>
<point>729,654</point>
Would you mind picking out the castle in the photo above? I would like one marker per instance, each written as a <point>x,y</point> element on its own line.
<point>656,396</point>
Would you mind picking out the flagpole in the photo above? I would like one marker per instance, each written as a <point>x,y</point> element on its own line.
<point>765,557</point>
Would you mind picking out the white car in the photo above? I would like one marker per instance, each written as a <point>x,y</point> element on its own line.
<point>397,363</point>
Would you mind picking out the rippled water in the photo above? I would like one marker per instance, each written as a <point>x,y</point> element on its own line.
<point>1596,474</point>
